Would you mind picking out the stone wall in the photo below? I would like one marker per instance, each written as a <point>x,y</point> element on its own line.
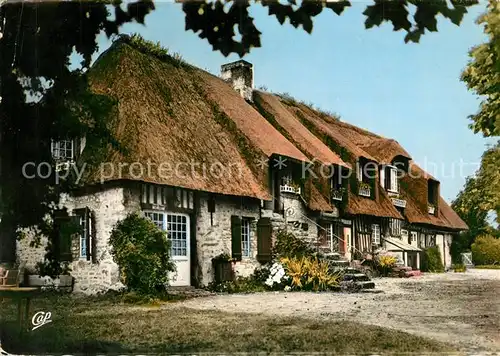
<point>214,239</point>
<point>113,204</point>
<point>109,207</point>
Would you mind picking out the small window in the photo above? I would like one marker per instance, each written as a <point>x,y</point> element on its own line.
<point>63,150</point>
<point>83,238</point>
<point>404,235</point>
<point>83,220</point>
<point>414,237</point>
<point>394,181</point>
<point>376,234</point>
<point>245,238</point>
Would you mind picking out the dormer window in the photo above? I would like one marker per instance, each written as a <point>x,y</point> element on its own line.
<point>366,173</point>
<point>338,183</point>
<point>63,150</point>
<point>432,196</point>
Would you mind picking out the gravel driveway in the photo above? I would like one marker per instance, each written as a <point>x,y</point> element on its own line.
<point>459,308</point>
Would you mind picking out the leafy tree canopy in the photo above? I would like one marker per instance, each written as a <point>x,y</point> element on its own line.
<point>482,74</point>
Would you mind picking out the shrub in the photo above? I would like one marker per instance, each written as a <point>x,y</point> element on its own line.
<point>287,245</point>
<point>309,273</point>
<point>385,263</point>
<point>486,250</point>
<point>142,251</point>
<point>431,260</point>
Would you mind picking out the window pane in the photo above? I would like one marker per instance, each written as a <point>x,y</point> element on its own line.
<point>245,237</point>
<point>177,233</point>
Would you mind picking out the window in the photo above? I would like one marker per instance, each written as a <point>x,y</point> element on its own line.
<point>375,234</point>
<point>245,238</point>
<point>404,235</point>
<point>391,179</point>
<point>393,187</point>
<point>83,218</point>
<point>83,237</point>
<point>63,150</point>
<point>177,227</point>
<point>414,237</point>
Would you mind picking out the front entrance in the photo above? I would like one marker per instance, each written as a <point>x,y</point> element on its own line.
<point>177,227</point>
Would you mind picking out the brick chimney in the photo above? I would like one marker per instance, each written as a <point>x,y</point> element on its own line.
<point>240,75</point>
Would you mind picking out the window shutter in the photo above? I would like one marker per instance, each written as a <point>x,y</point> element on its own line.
<point>236,237</point>
<point>87,232</point>
<point>264,240</point>
<point>93,238</point>
<point>387,174</point>
<point>63,241</point>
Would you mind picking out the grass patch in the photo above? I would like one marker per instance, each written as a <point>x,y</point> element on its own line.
<point>101,325</point>
<point>487,267</point>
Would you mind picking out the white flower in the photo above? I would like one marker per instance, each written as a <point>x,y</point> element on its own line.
<point>287,288</point>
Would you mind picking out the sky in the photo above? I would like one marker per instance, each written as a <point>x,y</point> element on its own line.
<point>371,78</point>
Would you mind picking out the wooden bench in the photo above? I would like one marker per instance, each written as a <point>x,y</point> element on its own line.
<point>10,279</point>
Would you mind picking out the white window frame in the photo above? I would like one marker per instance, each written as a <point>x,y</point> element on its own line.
<point>163,226</point>
<point>359,172</point>
<point>246,238</point>
<point>404,235</point>
<point>393,186</point>
<point>414,236</point>
<point>55,146</point>
<point>375,234</point>
<point>330,235</point>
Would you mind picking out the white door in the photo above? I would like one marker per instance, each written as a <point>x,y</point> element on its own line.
<point>177,227</point>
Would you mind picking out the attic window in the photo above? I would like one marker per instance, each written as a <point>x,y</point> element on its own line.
<point>391,181</point>
<point>337,183</point>
<point>432,195</point>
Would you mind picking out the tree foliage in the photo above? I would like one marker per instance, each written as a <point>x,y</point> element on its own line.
<point>38,89</point>
<point>482,74</point>
<point>481,194</point>
<point>142,251</point>
<point>486,250</point>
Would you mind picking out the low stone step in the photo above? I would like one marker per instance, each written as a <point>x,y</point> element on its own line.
<point>358,277</point>
<point>413,273</point>
<point>401,268</point>
<point>366,284</point>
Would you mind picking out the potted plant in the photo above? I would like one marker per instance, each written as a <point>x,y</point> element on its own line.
<point>223,268</point>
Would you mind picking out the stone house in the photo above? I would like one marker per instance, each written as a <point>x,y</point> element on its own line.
<point>222,167</point>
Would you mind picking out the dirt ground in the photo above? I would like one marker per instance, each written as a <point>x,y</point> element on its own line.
<point>459,308</point>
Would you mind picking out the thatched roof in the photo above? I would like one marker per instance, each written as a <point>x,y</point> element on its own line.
<point>167,119</point>
<point>414,190</point>
<point>355,143</point>
<point>299,134</point>
<point>184,119</point>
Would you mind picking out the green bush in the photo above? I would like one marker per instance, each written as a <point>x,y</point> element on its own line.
<point>142,251</point>
<point>239,285</point>
<point>287,245</point>
<point>486,250</point>
<point>431,260</point>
